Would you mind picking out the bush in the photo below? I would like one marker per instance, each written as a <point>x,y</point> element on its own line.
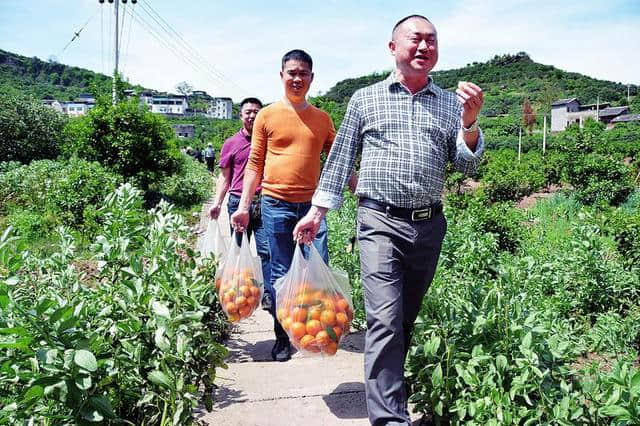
<point>192,185</point>
<point>507,179</point>
<point>28,130</point>
<point>65,188</point>
<point>128,336</point>
<point>599,178</point>
<point>126,138</point>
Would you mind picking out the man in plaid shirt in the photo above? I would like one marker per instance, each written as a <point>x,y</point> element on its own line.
<point>408,129</point>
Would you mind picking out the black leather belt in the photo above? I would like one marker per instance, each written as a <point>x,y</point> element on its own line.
<point>415,215</point>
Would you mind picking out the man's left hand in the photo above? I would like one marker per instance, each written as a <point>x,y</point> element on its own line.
<point>471,98</point>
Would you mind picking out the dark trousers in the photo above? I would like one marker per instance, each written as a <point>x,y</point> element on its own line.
<point>398,260</point>
<point>211,162</point>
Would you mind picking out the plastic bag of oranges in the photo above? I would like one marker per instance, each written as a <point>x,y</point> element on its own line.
<point>239,282</point>
<point>314,304</point>
<point>212,241</point>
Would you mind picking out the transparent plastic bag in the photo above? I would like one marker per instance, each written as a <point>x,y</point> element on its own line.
<point>212,241</point>
<point>239,282</point>
<point>314,304</point>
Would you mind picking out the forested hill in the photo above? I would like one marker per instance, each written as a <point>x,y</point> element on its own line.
<point>20,75</point>
<point>507,80</point>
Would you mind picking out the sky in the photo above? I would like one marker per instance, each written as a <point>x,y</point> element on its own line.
<point>234,48</point>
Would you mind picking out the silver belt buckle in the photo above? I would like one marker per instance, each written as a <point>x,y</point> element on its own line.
<point>422,214</point>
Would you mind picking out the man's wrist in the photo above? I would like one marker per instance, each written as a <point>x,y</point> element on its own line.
<point>471,127</point>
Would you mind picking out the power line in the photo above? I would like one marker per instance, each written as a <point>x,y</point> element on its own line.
<point>146,6</point>
<point>76,35</point>
<point>177,50</point>
<point>166,44</point>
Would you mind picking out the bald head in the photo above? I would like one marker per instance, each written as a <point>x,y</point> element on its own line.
<point>405,19</point>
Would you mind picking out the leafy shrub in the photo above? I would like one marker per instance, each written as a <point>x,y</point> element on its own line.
<point>6,166</point>
<point>28,130</point>
<point>126,138</point>
<point>598,178</point>
<point>63,188</point>
<point>126,336</point>
<point>507,179</point>
<point>190,186</point>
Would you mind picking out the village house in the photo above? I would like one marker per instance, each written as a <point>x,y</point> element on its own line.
<point>568,111</point>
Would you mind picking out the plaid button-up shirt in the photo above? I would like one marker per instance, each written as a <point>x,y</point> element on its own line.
<point>406,142</point>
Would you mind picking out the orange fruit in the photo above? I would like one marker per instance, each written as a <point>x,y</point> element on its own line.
<point>304,299</point>
<point>244,311</point>
<point>313,327</point>
<point>234,318</point>
<point>241,301</point>
<point>300,314</point>
<point>230,308</point>
<point>330,349</point>
<point>307,341</point>
<point>244,290</point>
<point>286,323</point>
<point>318,295</point>
<point>315,312</point>
<point>342,320</point>
<point>328,318</point>
<point>282,312</point>
<point>252,302</point>
<point>343,305</point>
<point>255,291</point>
<point>297,330</point>
<point>328,304</point>
<point>322,338</point>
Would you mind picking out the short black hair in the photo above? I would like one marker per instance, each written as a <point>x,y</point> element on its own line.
<point>406,18</point>
<point>297,55</point>
<point>250,101</point>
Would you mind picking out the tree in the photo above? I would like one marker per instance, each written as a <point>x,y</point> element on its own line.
<point>528,116</point>
<point>184,89</point>
<point>28,130</point>
<point>128,139</point>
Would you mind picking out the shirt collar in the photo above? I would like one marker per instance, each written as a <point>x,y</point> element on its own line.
<point>431,88</point>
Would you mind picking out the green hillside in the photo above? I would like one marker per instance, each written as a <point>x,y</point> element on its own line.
<point>507,80</point>
<point>20,75</point>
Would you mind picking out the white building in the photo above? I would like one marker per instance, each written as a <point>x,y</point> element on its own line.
<point>171,104</point>
<point>221,108</point>
<point>568,111</point>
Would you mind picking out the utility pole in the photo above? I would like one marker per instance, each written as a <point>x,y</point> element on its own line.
<point>519,143</point>
<point>115,71</point>
<point>116,47</point>
<point>544,136</point>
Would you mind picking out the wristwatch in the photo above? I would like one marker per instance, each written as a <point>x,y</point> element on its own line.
<point>472,128</point>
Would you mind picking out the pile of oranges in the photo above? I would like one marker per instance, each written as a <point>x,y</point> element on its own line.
<point>239,293</point>
<point>314,319</point>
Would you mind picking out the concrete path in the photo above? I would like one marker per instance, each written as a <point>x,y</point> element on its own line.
<point>256,391</point>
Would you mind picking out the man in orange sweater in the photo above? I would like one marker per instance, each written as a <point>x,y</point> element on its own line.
<point>288,138</point>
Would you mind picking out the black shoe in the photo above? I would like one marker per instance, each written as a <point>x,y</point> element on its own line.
<point>284,354</point>
<point>267,301</point>
<point>277,347</point>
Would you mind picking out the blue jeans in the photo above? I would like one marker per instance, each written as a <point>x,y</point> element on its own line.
<point>262,244</point>
<point>278,219</point>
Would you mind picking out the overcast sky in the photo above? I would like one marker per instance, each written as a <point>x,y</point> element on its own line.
<point>234,48</point>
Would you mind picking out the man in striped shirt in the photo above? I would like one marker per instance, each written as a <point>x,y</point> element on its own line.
<point>407,129</point>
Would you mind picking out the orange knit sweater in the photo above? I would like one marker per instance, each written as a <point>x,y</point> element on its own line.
<point>285,150</point>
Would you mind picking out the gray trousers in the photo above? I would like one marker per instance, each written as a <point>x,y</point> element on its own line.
<point>398,259</point>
